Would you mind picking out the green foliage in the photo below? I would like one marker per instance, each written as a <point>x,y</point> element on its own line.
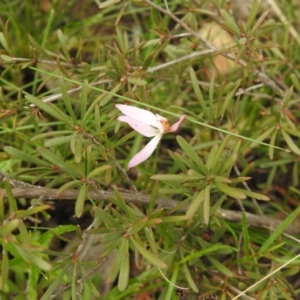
<point>75,224</point>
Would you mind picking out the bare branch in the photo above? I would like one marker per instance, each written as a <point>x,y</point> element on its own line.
<point>262,76</point>
<point>138,198</point>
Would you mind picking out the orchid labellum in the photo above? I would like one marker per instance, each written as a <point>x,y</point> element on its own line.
<point>147,124</point>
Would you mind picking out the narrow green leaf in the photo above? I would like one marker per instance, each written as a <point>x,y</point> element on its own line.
<point>12,203</point>
<point>137,81</point>
<point>211,160</point>
<point>254,195</point>
<point>230,191</point>
<point>66,98</point>
<point>227,165</point>
<point>190,152</point>
<point>252,14</point>
<point>265,134</point>
<point>258,23</point>
<point>118,199</point>
<point>265,46</point>
<point>24,236</point>
<point>206,205</point>
<point>84,99</point>
<point>181,190</point>
<point>36,45</point>
<point>230,23</point>
<point>57,161</point>
<point>2,213</point>
<point>63,44</point>
<point>171,285</point>
<point>178,161</point>
<point>9,226</point>
<point>112,236</point>
<point>106,97</point>
<point>79,232</point>
<point>220,267</point>
<point>174,177</point>
<point>117,261</point>
<point>73,283</point>
<point>96,172</point>
<point>4,268</point>
<point>290,142</point>
<point>68,185</point>
<point>186,163</point>
<point>25,157</point>
<point>229,97</point>
<point>198,92</point>
<point>290,124</point>
<point>55,284</point>
<point>137,226</point>
<point>287,97</point>
<point>147,62</point>
<point>189,278</point>
<point>207,250</point>
<point>59,140</point>
<point>79,206</point>
<point>211,93</point>
<point>296,82</point>
<point>107,3</point>
<point>73,141</point>
<point>4,43</point>
<point>239,179</point>
<point>49,108</point>
<point>153,259</point>
<point>120,14</point>
<point>246,238</point>
<point>5,58</point>
<point>111,249</point>
<point>92,288</point>
<point>221,148</point>
<point>221,179</point>
<point>124,266</point>
<point>32,258</point>
<point>51,134</point>
<point>194,206</point>
<point>78,148</point>
<point>291,131</point>
<point>173,219</point>
<point>279,230</point>
<point>107,218</point>
<point>32,210</point>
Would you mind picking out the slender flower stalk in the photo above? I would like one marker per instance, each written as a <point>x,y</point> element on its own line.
<point>147,124</point>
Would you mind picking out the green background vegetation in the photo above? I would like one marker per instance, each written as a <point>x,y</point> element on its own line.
<point>212,213</point>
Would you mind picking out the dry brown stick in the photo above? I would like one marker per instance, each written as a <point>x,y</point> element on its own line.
<point>138,198</point>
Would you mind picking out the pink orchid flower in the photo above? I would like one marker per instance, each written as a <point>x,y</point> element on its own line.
<point>147,124</point>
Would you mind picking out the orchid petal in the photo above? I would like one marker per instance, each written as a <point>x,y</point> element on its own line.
<point>140,114</point>
<point>140,127</point>
<point>175,126</point>
<point>145,152</point>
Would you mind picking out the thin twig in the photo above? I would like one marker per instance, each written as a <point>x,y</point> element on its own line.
<point>138,198</point>
<point>180,59</point>
<point>262,76</point>
<point>52,98</point>
<point>44,61</point>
